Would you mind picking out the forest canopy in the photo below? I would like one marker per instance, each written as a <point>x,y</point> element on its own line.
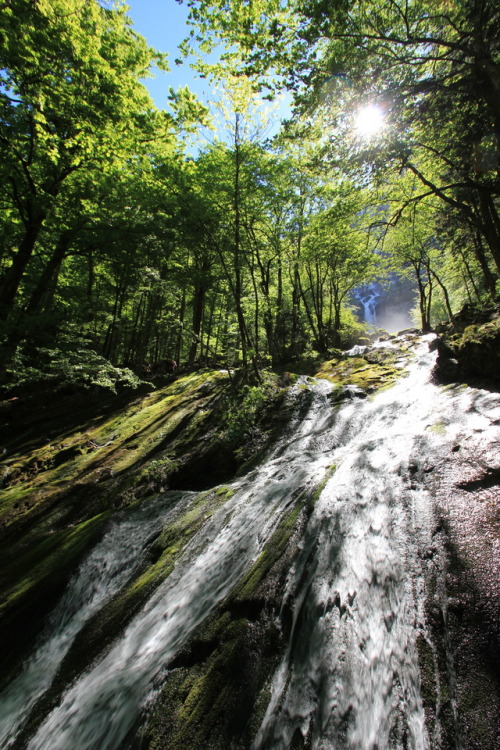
<point>123,248</point>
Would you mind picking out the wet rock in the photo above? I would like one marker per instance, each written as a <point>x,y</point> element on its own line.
<point>356,351</point>
<point>447,368</point>
<point>406,331</point>
<point>347,393</point>
<point>413,467</point>
<point>385,338</point>
<point>471,349</point>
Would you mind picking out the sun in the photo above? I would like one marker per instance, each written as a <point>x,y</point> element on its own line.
<point>369,120</point>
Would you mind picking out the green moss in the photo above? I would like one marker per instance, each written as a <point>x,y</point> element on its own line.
<point>209,705</point>
<point>357,371</point>
<point>46,560</point>
<point>479,333</point>
<point>271,552</point>
<point>226,491</point>
<point>210,693</point>
<point>321,486</point>
<point>218,688</point>
<point>476,349</point>
<point>439,428</point>
<point>112,447</point>
<point>427,675</point>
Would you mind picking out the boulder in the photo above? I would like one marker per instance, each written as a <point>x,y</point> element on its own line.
<point>347,393</point>
<point>474,353</point>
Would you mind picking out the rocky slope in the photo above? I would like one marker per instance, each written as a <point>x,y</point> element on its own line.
<point>73,466</point>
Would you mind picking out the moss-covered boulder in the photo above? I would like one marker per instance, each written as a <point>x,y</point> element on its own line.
<point>471,353</point>
<point>66,469</point>
<point>367,368</point>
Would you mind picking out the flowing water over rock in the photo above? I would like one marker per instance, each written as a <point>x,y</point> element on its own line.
<point>104,572</point>
<point>350,675</point>
<point>368,297</point>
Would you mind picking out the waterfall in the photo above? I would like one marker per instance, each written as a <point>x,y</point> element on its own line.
<point>349,677</point>
<point>368,297</point>
<point>100,707</point>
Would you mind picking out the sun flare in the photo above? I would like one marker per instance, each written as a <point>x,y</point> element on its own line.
<point>369,120</point>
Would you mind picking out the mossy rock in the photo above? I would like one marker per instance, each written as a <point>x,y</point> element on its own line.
<point>474,353</point>
<point>32,578</point>
<point>361,371</point>
<point>59,492</point>
<point>217,689</point>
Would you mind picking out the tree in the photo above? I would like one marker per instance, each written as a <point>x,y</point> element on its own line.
<point>70,101</point>
<point>433,67</point>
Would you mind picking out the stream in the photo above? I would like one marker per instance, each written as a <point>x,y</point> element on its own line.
<point>349,677</point>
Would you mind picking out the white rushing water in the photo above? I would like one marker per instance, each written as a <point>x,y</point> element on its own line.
<point>349,679</point>
<point>368,297</point>
<point>102,705</point>
<point>104,572</point>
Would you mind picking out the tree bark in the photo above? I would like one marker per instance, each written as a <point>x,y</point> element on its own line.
<point>13,276</point>
<point>198,308</point>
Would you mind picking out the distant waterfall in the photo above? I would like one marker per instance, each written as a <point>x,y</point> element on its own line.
<point>367,297</point>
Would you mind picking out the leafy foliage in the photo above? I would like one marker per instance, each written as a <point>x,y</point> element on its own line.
<point>74,368</point>
<point>241,415</point>
<point>248,253</point>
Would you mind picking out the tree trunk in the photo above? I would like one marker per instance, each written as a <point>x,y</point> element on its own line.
<point>34,305</point>
<point>490,227</point>
<point>445,295</point>
<point>182,312</point>
<point>198,308</point>
<point>423,299</point>
<point>470,276</point>
<point>489,277</point>
<point>50,272</point>
<point>237,250</point>
<point>13,276</point>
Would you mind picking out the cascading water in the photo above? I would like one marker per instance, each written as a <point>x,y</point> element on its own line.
<point>368,297</point>
<point>100,708</point>
<point>349,677</point>
<point>104,572</point>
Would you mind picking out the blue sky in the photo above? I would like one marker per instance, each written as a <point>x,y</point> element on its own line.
<point>163,24</point>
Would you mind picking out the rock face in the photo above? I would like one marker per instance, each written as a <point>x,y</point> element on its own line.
<point>347,393</point>
<point>462,601</point>
<point>471,349</point>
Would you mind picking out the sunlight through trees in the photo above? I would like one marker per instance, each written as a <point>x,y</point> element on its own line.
<point>127,236</point>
